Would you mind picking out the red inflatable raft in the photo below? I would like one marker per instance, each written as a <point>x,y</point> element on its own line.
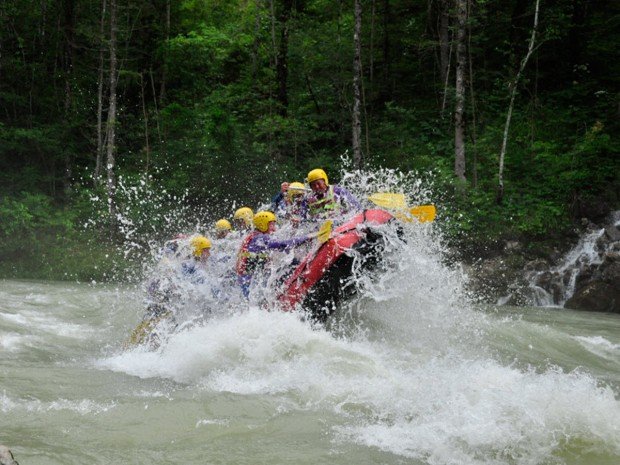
<point>320,282</point>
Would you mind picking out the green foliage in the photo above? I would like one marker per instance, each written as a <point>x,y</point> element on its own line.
<point>40,241</point>
<point>205,115</point>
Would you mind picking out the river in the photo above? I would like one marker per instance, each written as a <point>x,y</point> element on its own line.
<point>413,378</point>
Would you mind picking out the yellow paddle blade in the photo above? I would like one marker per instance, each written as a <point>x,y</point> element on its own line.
<point>393,201</point>
<point>144,330</point>
<point>422,214</point>
<point>389,200</point>
<point>325,231</point>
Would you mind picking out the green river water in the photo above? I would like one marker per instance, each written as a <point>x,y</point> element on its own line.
<point>408,378</point>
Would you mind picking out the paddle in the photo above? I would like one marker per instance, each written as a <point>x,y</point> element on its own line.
<point>325,231</point>
<point>393,201</point>
<point>389,200</point>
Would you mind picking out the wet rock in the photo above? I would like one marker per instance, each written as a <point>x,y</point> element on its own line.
<point>6,456</point>
<point>610,269</point>
<point>553,283</point>
<point>539,264</point>
<point>491,278</point>
<point>613,233</point>
<point>596,296</point>
<point>513,246</point>
<point>585,276</point>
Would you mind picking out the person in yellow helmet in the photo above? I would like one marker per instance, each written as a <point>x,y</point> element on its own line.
<point>279,200</point>
<point>242,219</point>
<point>327,200</point>
<point>201,249</point>
<point>222,228</point>
<point>294,203</point>
<point>254,251</point>
<point>164,292</point>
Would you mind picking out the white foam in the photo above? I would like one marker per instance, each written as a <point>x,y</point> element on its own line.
<point>82,407</point>
<point>597,341</point>
<point>449,412</point>
<point>207,422</point>
<point>13,342</point>
<point>438,407</point>
<point>39,322</point>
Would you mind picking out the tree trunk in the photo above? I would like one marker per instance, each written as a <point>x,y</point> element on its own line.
<point>156,105</point>
<point>273,33</point>
<point>147,145</point>
<point>69,32</point>
<point>459,122</point>
<point>513,93</point>
<point>99,155</point>
<point>256,44</point>
<point>387,74</point>
<point>164,73</point>
<point>111,125</point>
<point>357,91</point>
<point>371,53</point>
<point>474,134</point>
<point>444,44</point>
<point>282,58</point>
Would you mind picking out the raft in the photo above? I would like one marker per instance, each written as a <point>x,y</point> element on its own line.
<point>322,280</point>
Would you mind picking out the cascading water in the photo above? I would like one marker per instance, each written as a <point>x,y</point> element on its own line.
<point>561,279</point>
<point>409,371</point>
<point>556,285</point>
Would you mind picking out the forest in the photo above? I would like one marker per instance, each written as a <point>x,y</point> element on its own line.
<point>510,109</point>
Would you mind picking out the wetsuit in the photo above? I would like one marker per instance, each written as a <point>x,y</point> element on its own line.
<point>254,255</point>
<point>334,202</point>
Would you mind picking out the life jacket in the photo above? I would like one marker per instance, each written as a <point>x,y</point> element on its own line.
<point>248,262</point>
<point>326,207</point>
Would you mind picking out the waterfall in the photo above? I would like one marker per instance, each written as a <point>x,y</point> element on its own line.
<point>553,287</point>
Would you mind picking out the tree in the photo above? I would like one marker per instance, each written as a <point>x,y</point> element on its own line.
<point>100,77</point>
<point>445,50</point>
<point>357,87</point>
<point>513,93</point>
<point>282,58</point>
<point>111,124</point>
<point>459,123</point>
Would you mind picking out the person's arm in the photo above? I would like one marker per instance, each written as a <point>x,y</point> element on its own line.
<point>275,201</point>
<point>268,243</point>
<point>348,198</point>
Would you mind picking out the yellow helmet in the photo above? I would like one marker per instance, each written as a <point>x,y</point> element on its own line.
<point>199,243</point>
<point>262,220</point>
<point>294,189</point>
<point>317,174</point>
<point>223,225</point>
<point>246,214</point>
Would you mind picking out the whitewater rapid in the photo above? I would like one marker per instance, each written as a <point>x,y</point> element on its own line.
<point>411,371</point>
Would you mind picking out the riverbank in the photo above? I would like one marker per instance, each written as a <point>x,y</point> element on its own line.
<point>579,267</point>
<point>580,270</point>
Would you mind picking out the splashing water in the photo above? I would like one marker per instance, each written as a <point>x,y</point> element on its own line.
<point>408,371</point>
<point>406,367</point>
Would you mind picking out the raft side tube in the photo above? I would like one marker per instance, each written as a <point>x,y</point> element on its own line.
<point>322,279</point>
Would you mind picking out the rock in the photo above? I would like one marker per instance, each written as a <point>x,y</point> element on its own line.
<point>491,278</point>
<point>513,246</point>
<point>6,457</point>
<point>585,276</point>
<point>538,264</point>
<point>552,282</point>
<point>613,233</point>
<point>610,269</point>
<point>596,296</point>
